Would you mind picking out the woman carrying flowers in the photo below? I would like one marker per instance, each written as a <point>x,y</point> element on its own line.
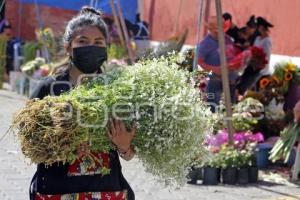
<point>85,41</point>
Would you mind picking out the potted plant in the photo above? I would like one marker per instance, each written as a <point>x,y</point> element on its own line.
<point>195,174</point>
<point>243,163</point>
<point>246,142</point>
<point>238,160</point>
<point>253,170</point>
<point>211,171</point>
<point>228,160</point>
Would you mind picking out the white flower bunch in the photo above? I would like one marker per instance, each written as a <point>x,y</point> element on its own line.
<point>171,117</point>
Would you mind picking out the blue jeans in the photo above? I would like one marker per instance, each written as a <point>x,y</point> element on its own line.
<point>215,90</point>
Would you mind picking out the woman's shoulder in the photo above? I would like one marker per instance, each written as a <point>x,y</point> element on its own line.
<point>43,88</point>
<point>45,85</point>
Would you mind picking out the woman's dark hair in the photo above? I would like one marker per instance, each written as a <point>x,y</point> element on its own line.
<point>87,16</point>
<point>263,22</point>
<point>227,16</point>
<point>243,29</point>
<point>252,22</point>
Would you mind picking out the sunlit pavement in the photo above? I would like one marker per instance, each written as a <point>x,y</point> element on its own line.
<point>15,173</point>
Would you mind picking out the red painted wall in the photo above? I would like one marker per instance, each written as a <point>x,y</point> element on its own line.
<point>161,14</point>
<point>284,14</point>
<point>51,17</point>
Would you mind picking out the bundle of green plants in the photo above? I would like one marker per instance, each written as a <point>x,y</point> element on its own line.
<point>170,114</point>
<point>284,145</point>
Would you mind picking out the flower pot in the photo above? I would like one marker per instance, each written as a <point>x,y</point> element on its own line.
<point>292,158</point>
<point>243,175</point>
<point>229,175</point>
<point>253,174</point>
<point>262,155</point>
<point>194,175</point>
<point>211,176</point>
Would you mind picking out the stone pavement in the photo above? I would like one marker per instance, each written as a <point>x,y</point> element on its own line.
<point>15,173</point>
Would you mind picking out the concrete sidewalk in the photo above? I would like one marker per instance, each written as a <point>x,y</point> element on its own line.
<point>15,173</point>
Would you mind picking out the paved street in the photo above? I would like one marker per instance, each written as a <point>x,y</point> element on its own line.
<point>15,173</point>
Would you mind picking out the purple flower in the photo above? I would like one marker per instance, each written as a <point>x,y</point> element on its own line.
<point>241,139</point>
<point>217,140</point>
<point>258,137</point>
<point>238,137</point>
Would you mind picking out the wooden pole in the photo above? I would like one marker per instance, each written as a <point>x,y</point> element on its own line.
<point>201,6</point>
<point>225,77</point>
<point>127,40</point>
<point>206,15</point>
<point>175,29</point>
<point>117,21</point>
<point>41,26</point>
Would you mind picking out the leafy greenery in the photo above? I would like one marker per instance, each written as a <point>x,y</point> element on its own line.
<point>116,51</point>
<point>29,51</point>
<point>246,114</point>
<point>155,93</point>
<point>284,145</point>
<point>229,156</point>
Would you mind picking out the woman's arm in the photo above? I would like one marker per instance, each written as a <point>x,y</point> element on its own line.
<point>127,154</point>
<point>297,112</point>
<point>214,69</point>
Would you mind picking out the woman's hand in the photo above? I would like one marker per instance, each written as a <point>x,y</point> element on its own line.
<point>297,112</point>
<point>119,135</point>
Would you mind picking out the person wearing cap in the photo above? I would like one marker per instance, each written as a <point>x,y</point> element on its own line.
<point>232,29</point>
<point>264,41</point>
<point>209,60</point>
<point>251,27</point>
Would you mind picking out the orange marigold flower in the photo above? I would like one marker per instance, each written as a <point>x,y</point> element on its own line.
<point>288,76</point>
<point>264,82</point>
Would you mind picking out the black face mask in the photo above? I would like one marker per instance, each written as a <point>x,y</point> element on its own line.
<point>89,59</point>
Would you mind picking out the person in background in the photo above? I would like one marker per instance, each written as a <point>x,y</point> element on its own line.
<point>9,49</point>
<point>141,29</point>
<point>209,60</point>
<point>232,28</point>
<point>264,41</point>
<point>252,31</point>
<point>3,23</point>
<point>141,35</point>
<point>9,66</point>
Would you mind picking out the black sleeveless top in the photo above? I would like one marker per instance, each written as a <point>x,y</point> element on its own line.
<point>54,179</point>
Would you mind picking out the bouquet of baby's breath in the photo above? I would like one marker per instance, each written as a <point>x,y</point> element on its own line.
<point>157,95</point>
